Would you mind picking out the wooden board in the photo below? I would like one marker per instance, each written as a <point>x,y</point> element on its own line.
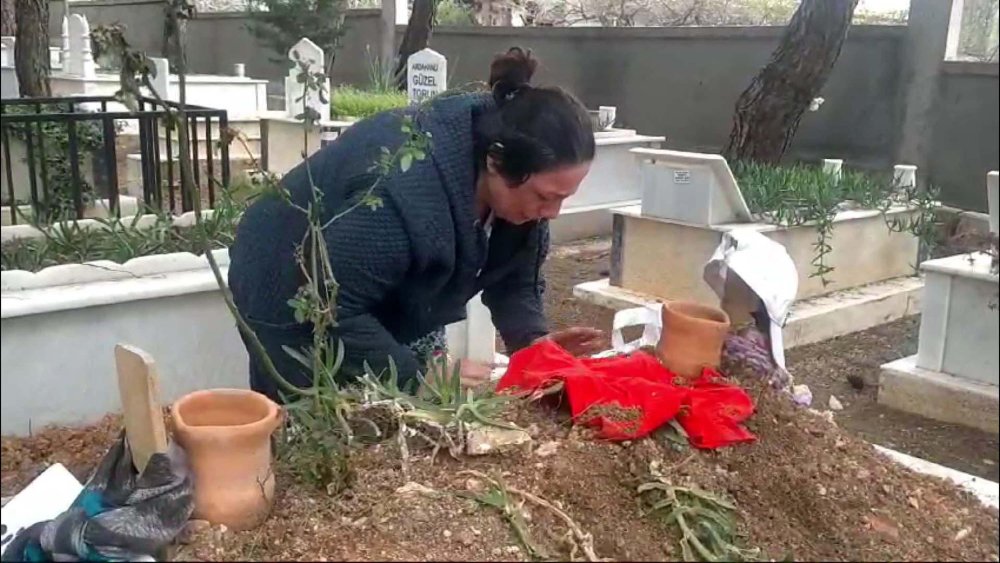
<point>139,389</point>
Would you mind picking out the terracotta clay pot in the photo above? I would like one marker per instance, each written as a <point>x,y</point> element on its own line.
<point>227,436</point>
<point>692,338</point>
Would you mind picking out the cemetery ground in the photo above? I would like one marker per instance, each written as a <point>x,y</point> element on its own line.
<point>809,489</point>
<point>828,368</point>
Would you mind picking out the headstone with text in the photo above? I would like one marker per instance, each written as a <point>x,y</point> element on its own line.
<point>426,75</point>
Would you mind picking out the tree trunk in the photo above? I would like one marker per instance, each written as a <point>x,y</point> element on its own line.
<point>31,49</point>
<point>769,110</point>
<point>8,21</point>
<point>416,37</point>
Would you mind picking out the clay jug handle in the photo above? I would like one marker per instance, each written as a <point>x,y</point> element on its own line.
<point>276,419</point>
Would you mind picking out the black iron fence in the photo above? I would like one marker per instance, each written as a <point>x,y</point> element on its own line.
<point>62,157</point>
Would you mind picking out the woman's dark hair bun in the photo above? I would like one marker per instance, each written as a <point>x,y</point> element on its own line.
<point>511,71</point>
<point>531,129</point>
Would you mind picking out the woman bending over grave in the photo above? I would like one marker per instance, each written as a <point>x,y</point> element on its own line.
<point>472,216</point>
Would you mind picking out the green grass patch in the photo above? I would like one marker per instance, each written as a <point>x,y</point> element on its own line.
<point>351,102</point>
<point>798,195</point>
<point>121,239</point>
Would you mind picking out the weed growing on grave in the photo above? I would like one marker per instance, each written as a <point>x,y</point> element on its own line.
<point>707,523</point>
<point>120,239</point>
<point>439,414</point>
<point>796,196</point>
<point>509,501</point>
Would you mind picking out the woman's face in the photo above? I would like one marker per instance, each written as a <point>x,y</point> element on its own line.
<point>540,197</point>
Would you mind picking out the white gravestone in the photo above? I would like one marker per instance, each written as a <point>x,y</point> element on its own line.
<point>161,82</point>
<point>904,176</point>
<point>308,52</point>
<point>81,57</point>
<point>7,51</point>
<point>64,60</point>
<point>833,167</point>
<point>426,75</point>
<point>8,83</point>
<point>993,197</point>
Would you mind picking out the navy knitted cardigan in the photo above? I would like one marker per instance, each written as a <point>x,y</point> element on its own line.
<point>406,268</point>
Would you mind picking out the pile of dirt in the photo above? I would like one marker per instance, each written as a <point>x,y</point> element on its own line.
<point>805,491</point>
<point>79,449</point>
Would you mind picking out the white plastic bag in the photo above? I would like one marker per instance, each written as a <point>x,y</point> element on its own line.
<point>647,317</point>
<point>765,266</point>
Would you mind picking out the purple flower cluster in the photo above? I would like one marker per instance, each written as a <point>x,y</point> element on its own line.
<point>748,350</point>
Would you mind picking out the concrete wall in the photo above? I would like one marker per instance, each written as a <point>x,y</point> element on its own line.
<point>965,144</point>
<point>890,98</point>
<point>683,82</point>
<point>218,40</point>
<point>143,20</point>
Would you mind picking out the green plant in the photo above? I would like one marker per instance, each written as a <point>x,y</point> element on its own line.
<point>502,497</point>
<point>352,102</point>
<point>453,13</point>
<point>51,141</point>
<point>439,406</point>
<point>380,78</point>
<point>497,496</point>
<point>119,240</point>
<point>795,196</point>
<point>280,24</point>
<point>707,522</point>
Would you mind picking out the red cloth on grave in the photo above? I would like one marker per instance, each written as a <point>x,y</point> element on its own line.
<point>627,397</point>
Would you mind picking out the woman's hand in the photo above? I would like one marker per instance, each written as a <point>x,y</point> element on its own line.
<point>579,341</point>
<point>472,373</point>
<point>475,374</point>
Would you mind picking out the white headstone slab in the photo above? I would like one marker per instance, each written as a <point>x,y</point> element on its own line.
<point>426,75</point>
<point>64,61</point>
<point>692,188</point>
<point>80,55</point>
<point>161,82</point>
<point>833,167</point>
<point>904,176</point>
<point>7,51</point>
<point>402,12</point>
<point>305,51</point>
<point>993,194</point>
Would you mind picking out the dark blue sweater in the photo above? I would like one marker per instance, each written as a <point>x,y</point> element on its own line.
<point>406,268</point>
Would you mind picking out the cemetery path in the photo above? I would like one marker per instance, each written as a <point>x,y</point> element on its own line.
<point>827,368</point>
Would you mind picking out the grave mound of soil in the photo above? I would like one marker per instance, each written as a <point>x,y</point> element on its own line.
<point>805,491</point>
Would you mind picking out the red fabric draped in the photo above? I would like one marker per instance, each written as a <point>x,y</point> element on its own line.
<point>627,397</point>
